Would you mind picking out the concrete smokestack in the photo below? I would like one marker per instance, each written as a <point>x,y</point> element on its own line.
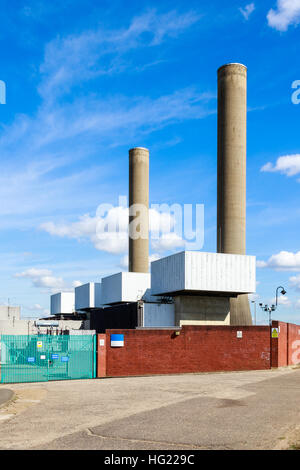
<point>139,210</point>
<point>232,139</point>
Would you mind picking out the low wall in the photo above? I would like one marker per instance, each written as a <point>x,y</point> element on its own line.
<point>286,348</point>
<point>27,327</point>
<point>194,349</point>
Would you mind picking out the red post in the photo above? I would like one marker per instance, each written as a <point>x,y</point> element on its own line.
<point>101,347</point>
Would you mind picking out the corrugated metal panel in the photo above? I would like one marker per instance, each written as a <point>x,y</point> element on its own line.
<point>88,296</point>
<point>98,295</point>
<point>205,272</point>
<point>167,274</point>
<point>83,296</point>
<point>63,302</point>
<point>159,315</point>
<point>124,287</point>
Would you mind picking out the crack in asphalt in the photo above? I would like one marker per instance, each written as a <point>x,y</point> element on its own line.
<point>90,432</point>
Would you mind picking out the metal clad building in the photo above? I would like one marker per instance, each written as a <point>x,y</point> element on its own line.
<point>63,302</point>
<point>88,296</point>
<point>158,315</point>
<point>124,287</point>
<point>203,272</point>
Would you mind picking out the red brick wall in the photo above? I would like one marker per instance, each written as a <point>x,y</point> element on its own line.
<point>286,348</point>
<point>196,349</point>
<point>279,345</point>
<point>293,344</point>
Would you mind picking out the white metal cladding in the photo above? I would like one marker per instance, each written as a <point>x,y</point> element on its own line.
<point>167,274</point>
<point>63,302</point>
<point>83,296</point>
<point>206,272</point>
<point>158,315</point>
<point>88,296</point>
<point>124,287</point>
<point>98,294</point>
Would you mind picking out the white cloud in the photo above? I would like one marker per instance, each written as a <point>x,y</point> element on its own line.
<point>114,240</point>
<point>43,278</point>
<point>38,309</point>
<point>154,257</point>
<point>62,132</point>
<point>286,14</point>
<point>160,221</point>
<point>282,300</point>
<point>124,262</point>
<point>38,156</point>
<point>109,233</point>
<point>103,119</point>
<point>261,264</point>
<point>283,261</point>
<point>246,12</point>
<point>288,165</point>
<point>34,191</point>
<point>168,242</point>
<point>295,282</point>
<point>253,297</point>
<point>77,58</point>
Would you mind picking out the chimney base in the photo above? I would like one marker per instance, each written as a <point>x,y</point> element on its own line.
<point>240,314</point>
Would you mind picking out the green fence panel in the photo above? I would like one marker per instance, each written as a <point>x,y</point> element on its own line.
<point>39,358</point>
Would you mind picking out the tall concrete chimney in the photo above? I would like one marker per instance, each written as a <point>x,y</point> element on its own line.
<point>232,139</point>
<point>139,196</point>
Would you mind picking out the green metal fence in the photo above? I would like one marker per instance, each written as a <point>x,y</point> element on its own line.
<point>39,358</point>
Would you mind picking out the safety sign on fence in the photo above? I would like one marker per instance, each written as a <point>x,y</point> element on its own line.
<point>39,358</point>
<point>275,332</point>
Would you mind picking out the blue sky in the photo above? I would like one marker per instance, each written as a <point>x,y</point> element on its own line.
<point>87,80</point>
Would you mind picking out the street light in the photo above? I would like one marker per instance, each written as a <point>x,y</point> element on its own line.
<point>267,308</point>
<point>283,292</point>
<point>253,302</point>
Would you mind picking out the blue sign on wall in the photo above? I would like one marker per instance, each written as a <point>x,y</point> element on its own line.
<point>54,356</point>
<point>117,341</point>
<point>64,359</point>
<point>31,359</point>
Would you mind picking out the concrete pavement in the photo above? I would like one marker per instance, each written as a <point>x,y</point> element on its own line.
<point>245,410</point>
<point>5,395</point>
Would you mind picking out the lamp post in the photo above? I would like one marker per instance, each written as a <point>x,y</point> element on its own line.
<point>283,292</point>
<point>253,302</point>
<point>267,308</point>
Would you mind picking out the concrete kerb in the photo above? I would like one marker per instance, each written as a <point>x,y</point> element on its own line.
<point>6,397</point>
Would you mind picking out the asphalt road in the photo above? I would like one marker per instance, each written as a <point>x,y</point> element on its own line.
<point>246,410</point>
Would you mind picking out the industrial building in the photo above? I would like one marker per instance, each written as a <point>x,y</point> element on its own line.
<point>190,313</point>
<point>188,288</point>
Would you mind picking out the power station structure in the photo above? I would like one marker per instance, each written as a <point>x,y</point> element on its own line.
<point>190,287</point>
<point>232,142</point>
<point>139,207</point>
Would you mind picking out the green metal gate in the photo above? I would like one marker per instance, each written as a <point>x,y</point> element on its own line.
<point>39,358</point>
